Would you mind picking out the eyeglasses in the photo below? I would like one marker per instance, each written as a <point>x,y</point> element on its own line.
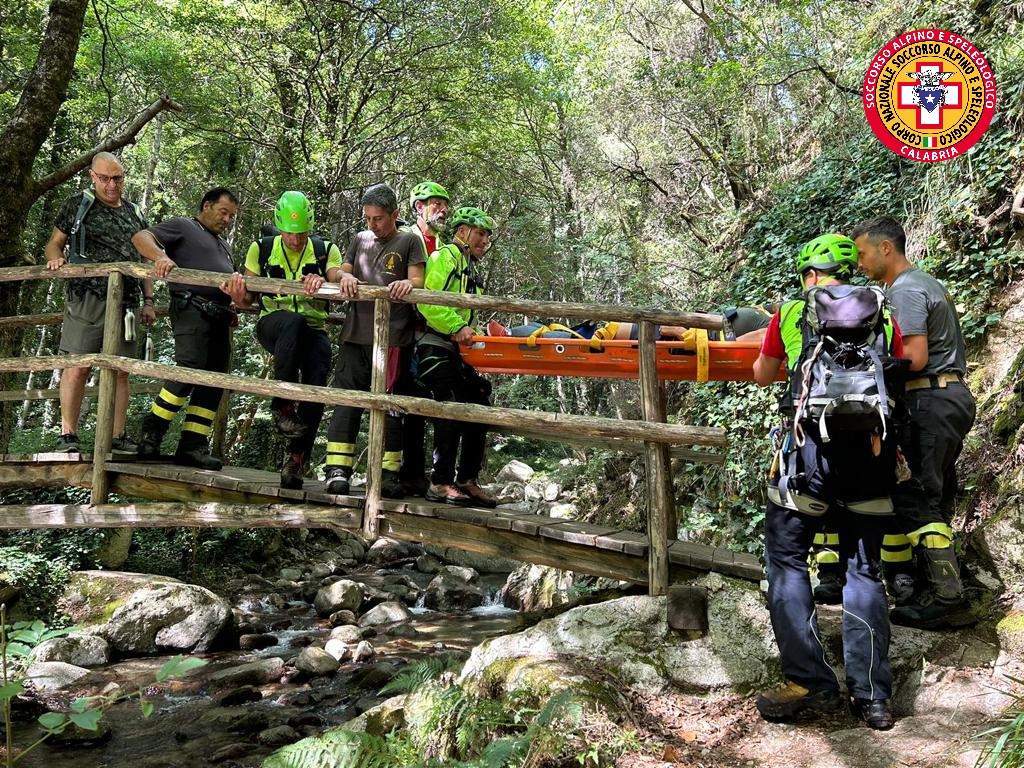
<point>104,179</point>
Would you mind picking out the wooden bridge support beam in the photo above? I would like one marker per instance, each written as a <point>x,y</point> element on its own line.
<point>661,516</point>
<point>375,438</point>
<point>113,332</point>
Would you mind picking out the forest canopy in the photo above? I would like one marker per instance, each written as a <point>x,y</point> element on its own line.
<point>656,152</point>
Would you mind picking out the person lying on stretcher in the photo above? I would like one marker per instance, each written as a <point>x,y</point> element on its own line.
<point>745,324</point>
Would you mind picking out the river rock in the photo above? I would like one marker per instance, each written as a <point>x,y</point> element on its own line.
<point>515,470</point>
<point>316,661</point>
<point>479,563</point>
<point>54,675</point>
<point>277,736</point>
<point>341,595</point>
<point>388,551</point>
<point>428,563</point>
<point>552,491</point>
<point>386,613</point>
<point>256,642</point>
<point>631,635</point>
<point>291,574</point>
<point>80,650</point>
<point>447,592</point>
<point>341,618</point>
<point>141,614</point>
<point>536,588</point>
<point>460,572</point>
<point>254,673</point>
<point>338,649</point>
<point>233,697</point>
<point>563,512</point>
<point>347,634</point>
<point>363,652</point>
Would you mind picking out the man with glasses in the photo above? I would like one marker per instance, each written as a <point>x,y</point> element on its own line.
<point>96,227</point>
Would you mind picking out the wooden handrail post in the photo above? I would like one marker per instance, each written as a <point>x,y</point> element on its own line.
<point>375,439</point>
<point>113,332</point>
<point>659,500</point>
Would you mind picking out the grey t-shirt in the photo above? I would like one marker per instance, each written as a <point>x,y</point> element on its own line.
<point>924,307</point>
<point>382,262</point>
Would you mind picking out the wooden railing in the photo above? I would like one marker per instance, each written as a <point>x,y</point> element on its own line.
<point>653,432</point>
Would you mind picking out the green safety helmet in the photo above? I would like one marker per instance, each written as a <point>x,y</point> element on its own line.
<point>829,253</point>
<point>426,190</point>
<point>474,217</point>
<point>293,213</point>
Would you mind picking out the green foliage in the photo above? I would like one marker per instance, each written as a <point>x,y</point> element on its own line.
<point>1003,743</point>
<point>17,643</point>
<point>461,731</point>
<point>415,675</point>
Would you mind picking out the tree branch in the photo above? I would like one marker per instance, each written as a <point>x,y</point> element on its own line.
<point>111,143</point>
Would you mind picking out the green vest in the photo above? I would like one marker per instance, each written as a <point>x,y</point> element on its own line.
<point>314,310</point>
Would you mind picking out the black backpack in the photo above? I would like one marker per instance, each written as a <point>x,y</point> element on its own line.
<point>839,382</point>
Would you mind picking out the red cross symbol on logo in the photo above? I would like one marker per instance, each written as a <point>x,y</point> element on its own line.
<point>930,100</point>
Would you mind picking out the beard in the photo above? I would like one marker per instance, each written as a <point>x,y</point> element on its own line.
<point>437,221</point>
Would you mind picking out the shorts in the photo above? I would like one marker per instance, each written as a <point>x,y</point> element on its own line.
<point>82,330</point>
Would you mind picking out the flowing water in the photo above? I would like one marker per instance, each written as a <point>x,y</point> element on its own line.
<point>193,725</point>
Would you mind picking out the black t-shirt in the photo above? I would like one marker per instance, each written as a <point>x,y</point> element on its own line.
<point>190,245</point>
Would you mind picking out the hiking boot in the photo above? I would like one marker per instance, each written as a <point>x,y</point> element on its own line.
<point>336,481</point>
<point>198,456</point>
<point>480,497</point>
<point>415,485</point>
<point>124,444</point>
<point>830,587</point>
<point>68,443</point>
<point>288,423</point>
<point>292,471</point>
<point>149,446</point>
<point>874,712</point>
<point>928,611</point>
<point>390,486</point>
<point>901,589</point>
<point>790,701</point>
<point>447,494</point>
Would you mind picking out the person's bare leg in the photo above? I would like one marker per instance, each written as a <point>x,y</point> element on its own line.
<point>72,390</point>
<point>121,403</point>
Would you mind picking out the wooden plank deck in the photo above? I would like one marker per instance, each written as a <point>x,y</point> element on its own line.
<point>250,498</point>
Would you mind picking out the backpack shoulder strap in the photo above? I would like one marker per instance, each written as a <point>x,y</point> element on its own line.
<point>266,246</point>
<point>321,248</point>
<point>76,238</point>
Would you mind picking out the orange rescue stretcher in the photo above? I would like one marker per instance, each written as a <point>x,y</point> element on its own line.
<point>712,361</point>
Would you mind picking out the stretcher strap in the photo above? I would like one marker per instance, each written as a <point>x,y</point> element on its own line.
<point>531,340</point>
<point>603,334</point>
<point>703,355</point>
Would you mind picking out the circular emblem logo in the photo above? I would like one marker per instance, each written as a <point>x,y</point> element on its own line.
<point>929,95</point>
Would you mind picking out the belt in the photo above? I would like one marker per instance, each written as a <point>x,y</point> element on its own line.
<point>940,381</point>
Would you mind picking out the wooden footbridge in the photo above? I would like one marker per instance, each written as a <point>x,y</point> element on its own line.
<point>178,496</point>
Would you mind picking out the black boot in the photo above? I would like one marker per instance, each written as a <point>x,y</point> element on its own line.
<point>194,451</point>
<point>830,584</point>
<point>153,430</point>
<point>941,605</point>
